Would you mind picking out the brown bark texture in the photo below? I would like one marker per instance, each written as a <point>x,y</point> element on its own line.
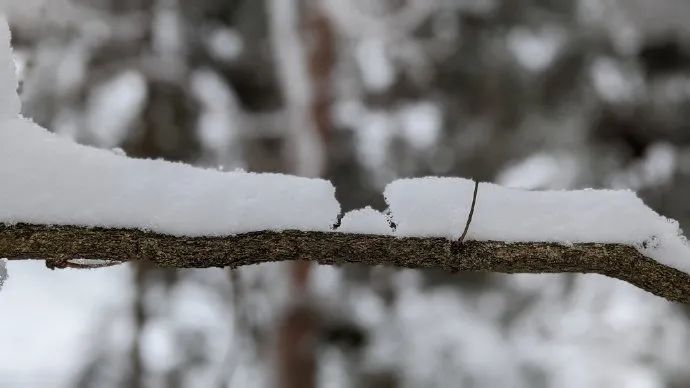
<point>59,245</point>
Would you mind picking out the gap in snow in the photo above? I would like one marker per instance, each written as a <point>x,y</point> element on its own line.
<point>365,221</point>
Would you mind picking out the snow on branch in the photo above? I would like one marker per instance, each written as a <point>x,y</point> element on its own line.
<point>71,204</point>
<point>62,245</point>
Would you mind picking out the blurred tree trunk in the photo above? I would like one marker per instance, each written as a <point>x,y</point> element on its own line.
<point>305,67</point>
<point>136,374</point>
<point>165,130</point>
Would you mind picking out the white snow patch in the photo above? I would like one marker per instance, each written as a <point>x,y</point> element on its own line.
<point>541,171</point>
<point>221,118</point>
<point>614,82</point>
<point>225,44</point>
<point>9,100</point>
<point>114,106</point>
<point>55,181</point>
<point>3,272</point>
<point>421,124</point>
<point>438,207</point>
<point>365,221</point>
<point>535,51</point>
<point>37,301</point>
<point>428,207</point>
<point>375,64</point>
<point>657,168</point>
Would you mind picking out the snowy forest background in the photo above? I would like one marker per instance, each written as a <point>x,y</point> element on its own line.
<point>538,94</point>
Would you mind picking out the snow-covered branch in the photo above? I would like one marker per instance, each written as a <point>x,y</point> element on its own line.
<point>62,245</point>
<point>67,203</point>
<point>120,209</point>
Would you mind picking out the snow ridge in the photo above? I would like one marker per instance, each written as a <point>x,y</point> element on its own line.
<point>439,207</point>
<point>51,180</point>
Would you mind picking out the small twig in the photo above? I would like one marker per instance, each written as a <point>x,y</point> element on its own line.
<point>469,218</point>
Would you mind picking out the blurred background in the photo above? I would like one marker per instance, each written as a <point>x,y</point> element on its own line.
<point>536,94</point>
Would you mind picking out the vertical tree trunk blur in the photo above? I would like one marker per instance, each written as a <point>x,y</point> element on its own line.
<point>165,131</point>
<point>305,75</point>
<point>322,54</point>
<point>136,373</point>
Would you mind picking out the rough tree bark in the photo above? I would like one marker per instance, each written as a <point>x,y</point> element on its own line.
<point>61,244</point>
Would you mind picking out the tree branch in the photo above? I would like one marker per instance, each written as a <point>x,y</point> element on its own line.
<point>60,244</point>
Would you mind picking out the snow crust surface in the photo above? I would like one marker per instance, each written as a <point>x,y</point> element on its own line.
<point>51,180</point>
<point>365,221</point>
<point>439,207</point>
